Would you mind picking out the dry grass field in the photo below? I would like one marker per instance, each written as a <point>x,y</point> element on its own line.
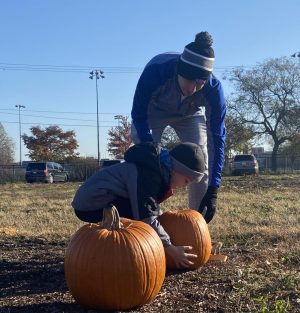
<point>258,222</point>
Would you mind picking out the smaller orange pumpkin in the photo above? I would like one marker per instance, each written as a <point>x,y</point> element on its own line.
<point>187,228</point>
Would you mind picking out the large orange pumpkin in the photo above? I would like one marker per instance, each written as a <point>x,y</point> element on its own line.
<point>115,266</point>
<point>187,228</point>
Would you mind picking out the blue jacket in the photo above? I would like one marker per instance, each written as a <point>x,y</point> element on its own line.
<point>159,82</point>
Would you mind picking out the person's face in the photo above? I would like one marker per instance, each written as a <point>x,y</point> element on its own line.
<point>188,87</point>
<point>178,180</point>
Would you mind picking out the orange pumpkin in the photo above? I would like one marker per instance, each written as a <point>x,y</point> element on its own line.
<point>115,265</point>
<point>187,228</point>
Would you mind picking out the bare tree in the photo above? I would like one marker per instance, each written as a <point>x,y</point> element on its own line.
<point>6,147</point>
<point>51,143</point>
<point>268,98</point>
<point>119,138</point>
<point>239,136</point>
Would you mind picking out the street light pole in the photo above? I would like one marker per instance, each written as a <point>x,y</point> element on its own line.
<point>118,117</point>
<point>97,74</point>
<point>19,107</point>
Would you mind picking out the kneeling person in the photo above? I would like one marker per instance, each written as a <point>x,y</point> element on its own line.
<point>137,186</point>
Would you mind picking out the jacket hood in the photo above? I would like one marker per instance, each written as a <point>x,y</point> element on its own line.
<point>149,155</point>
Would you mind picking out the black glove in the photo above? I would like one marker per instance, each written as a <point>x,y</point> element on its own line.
<point>208,204</point>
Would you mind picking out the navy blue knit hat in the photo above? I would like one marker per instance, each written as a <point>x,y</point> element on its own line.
<point>197,59</point>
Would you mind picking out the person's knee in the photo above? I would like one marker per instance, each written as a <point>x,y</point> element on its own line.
<point>89,216</point>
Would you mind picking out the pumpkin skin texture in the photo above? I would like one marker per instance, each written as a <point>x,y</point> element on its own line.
<point>187,228</point>
<point>115,269</point>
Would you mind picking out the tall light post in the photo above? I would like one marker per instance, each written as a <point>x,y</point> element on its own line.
<point>19,106</point>
<point>118,118</point>
<point>97,74</point>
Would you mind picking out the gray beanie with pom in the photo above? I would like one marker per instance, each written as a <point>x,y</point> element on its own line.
<point>197,59</point>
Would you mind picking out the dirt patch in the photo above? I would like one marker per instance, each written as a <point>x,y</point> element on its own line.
<point>32,280</point>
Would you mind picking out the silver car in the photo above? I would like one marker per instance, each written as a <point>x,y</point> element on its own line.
<point>244,164</point>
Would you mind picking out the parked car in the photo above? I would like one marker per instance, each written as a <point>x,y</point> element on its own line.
<point>244,164</point>
<point>47,172</point>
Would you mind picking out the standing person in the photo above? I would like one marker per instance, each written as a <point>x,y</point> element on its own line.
<point>138,185</point>
<point>175,90</point>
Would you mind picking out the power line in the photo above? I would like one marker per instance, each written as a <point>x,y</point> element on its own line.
<point>31,123</point>
<point>65,68</point>
<point>90,67</point>
<point>62,71</point>
<point>70,112</point>
<point>58,118</point>
<point>84,69</point>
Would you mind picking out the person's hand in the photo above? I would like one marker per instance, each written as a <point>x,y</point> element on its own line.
<point>180,255</point>
<point>208,204</point>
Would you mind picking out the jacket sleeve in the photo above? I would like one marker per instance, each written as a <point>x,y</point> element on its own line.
<point>149,81</point>
<point>146,196</point>
<point>150,186</point>
<point>216,133</point>
<point>155,224</point>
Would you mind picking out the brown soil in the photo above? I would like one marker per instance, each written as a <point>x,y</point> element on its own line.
<point>32,280</point>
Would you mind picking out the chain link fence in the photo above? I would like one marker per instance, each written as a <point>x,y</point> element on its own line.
<point>76,172</point>
<point>80,171</point>
<point>285,164</point>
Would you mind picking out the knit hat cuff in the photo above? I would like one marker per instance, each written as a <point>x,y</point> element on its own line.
<point>191,72</point>
<point>197,60</point>
<point>182,169</point>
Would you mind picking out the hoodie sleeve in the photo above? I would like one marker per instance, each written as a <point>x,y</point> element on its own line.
<point>155,224</point>
<point>147,84</point>
<point>215,111</point>
<point>155,74</point>
<point>148,189</point>
<point>152,178</point>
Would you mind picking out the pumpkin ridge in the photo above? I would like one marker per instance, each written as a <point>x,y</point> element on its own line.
<point>153,255</point>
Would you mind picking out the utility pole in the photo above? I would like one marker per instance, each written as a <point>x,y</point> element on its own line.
<point>97,74</point>
<point>19,107</point>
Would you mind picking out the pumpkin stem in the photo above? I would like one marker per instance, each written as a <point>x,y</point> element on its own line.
<point>111,219</point>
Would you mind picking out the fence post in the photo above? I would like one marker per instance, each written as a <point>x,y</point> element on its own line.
<point>14,173</point>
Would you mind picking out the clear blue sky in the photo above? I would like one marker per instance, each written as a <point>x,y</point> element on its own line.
<point>119,37</point>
